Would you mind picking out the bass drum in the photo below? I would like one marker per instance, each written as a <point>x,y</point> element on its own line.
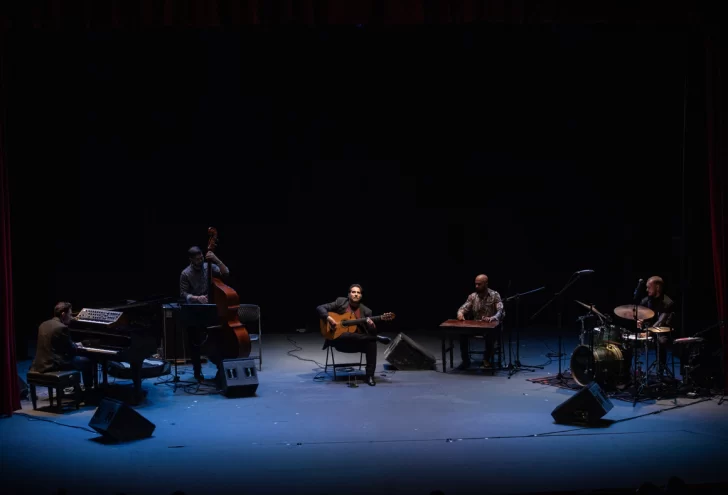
<point>610,368</point>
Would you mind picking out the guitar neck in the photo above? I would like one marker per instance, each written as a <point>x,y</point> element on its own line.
<point>348,323</point>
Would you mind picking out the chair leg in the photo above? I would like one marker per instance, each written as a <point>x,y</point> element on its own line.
<point>77,395</point>
<point>50,396</point>
<point>33,396</point>
<point>59,400</point>
<point>326,364</point>
<point>333,362</point>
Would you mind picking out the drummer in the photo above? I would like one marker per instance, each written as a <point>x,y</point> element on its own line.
<point>664,309</point>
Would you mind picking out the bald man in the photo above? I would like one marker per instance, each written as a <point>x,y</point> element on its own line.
<point>486,305</point>
<point>664,309</point>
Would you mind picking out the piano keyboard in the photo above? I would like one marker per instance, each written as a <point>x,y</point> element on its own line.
<point>100,351</point>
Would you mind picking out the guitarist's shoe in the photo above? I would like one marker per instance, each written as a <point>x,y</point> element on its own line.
<point>383,340</point>
<point>370,381</point>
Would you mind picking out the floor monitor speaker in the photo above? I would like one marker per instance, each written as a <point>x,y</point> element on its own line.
<point>588,405</point>
<point>239,377</point>
<point>119,422</point>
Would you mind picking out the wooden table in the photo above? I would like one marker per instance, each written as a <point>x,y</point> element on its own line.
<point>472,327</point>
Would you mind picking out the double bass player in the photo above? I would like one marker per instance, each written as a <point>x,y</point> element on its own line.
<point>193,288</point>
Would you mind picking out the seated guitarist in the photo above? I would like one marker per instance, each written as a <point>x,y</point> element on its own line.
<point>361,340</point>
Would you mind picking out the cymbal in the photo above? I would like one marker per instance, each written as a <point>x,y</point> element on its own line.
<point>592,308</point>
<point>627,311</point>
<point>659,329</point>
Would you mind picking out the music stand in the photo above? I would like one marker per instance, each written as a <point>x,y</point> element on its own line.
<point>192,315</point>
<point>515,368</point>
<point>558,295</point>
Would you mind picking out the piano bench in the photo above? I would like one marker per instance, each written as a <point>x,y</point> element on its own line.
<point>58,380</point>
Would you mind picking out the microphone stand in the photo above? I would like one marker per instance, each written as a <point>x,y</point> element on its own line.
<point>558,295</point>
<point>518,366</point>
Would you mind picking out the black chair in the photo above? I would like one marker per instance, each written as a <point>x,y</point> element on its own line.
<point>334,365</point>
<point>498,358</point>
<point>249,314</point>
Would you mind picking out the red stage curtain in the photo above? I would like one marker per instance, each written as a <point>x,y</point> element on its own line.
<point>9,393</point>
<point>717,142</point>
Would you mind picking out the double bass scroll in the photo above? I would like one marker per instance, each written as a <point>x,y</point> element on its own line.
<point>231,341</point>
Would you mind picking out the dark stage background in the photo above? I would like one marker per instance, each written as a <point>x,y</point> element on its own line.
<point>408,161</point>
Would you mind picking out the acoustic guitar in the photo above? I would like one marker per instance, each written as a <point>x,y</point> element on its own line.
<point>347,323</point>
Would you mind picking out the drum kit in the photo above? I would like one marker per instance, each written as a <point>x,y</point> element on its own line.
<point>610,354</point>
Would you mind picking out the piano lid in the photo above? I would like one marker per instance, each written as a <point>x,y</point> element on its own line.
<point>128,304</point>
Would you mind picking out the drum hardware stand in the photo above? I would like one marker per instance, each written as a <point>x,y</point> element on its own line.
<point>645,375</point>
<point>720,323</point>
<point>518,366</point>
<point>574,277</point>
<point>691,387</point>
<point>638,384</point>
<point>658,364</point>
<point>582,319</point>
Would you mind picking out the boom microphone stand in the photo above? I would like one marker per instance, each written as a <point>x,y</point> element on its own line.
<point>574,277</point>
<point>518,366</point>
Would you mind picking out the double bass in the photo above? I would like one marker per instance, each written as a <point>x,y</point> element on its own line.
<point>231,340</point>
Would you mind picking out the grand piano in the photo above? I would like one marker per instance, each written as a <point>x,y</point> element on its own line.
<point>121,332</point>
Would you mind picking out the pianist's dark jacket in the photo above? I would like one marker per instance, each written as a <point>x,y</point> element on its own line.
<point>55,347</point>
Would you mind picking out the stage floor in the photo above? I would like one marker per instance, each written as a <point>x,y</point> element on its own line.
<point>415,432</point>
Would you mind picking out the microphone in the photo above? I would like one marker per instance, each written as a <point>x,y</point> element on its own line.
<point>639,286</point>
<point>584,272</point>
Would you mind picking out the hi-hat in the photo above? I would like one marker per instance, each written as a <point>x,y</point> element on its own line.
<point>659,329</point>
<point>591,308</point>
<point>627,311</point>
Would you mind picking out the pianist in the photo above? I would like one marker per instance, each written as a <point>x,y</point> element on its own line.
<point>193,285</point>
<point>484,304</point>
<point>56,350</point>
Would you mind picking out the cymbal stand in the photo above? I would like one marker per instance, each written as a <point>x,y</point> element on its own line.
<point>518,366</point>
<point>645,379</point>
<point>574,277</point>
<point>638,385</point>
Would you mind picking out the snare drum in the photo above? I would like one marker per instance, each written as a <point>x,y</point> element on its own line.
<point>635,337</point>
<point>607,334</point>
